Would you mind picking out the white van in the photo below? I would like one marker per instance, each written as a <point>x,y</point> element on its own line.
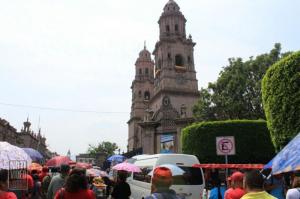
<point>190,185</point>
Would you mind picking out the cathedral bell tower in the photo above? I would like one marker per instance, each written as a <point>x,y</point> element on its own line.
<point>162,101</point>
<point>142,91</point>
<point>175,73</point>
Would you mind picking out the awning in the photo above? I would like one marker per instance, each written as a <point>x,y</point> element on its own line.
<point>229,166</point>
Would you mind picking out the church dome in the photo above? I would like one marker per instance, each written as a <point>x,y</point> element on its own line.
<point>144,55</point>
<point>171,6</point>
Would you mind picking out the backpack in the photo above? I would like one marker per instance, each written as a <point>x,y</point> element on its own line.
<point>45,183</point>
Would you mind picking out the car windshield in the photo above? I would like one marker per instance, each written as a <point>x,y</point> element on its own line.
<point>191,176</point>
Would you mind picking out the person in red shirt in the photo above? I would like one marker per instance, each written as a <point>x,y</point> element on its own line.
<point>45,172</point>
<point>76,187</point>
<point>236,191</point>
<point>4,194</point>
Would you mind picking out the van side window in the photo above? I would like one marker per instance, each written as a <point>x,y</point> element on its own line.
<point>143,176</point>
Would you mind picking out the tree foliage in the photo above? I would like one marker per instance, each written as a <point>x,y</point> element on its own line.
<point>104,147</point>
<point>252,140</point>
<point>237,92</point>
<point>281,99</point>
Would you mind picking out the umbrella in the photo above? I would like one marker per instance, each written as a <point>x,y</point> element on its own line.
<point>103,174</point>
<point>58,160</point>
<point>93,172</point>
<point>116,158</point>
<point>35,166</point>
<point>13,157</point>
<point>174,169</point>
<point>125,166</point>
<point>288,159</point>
<point>83,165</point>
<point>34,154</point>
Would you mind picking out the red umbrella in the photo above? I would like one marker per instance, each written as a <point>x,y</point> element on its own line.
<point>57,161</point>
<point>83,165</point>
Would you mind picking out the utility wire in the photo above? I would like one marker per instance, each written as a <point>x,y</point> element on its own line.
<point>59,109</point>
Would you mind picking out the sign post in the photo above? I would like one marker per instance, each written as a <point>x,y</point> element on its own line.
<point>225,146</point>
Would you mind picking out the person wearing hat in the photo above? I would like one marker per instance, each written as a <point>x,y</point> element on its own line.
<point>58,181</point>
<point>236,191</point>
<point>161,183</point>
<point>294,193</point>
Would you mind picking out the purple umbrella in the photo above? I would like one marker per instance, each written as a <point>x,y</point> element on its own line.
<point>34,154</point>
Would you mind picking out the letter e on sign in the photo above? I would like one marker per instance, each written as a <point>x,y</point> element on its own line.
<point>225,145</point>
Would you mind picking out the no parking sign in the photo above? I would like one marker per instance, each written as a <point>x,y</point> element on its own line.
<point>225,145</point>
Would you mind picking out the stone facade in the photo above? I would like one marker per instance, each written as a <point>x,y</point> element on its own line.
<point>97,159</point>
<point>24,139</point>
<point>8,133</point>
<point>162,101</point>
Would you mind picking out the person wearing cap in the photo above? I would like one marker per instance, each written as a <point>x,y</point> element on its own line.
<point>236,191</point>
<point>58,181</point>
<point>161,183</point>
<point>254,186</point>
<point>294,193</point>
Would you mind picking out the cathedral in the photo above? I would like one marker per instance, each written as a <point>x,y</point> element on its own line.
<point>165,89</point>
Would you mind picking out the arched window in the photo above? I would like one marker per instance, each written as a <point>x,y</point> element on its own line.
<point>179,60</point>
<point>147,95</point>
<point>140,71</point>
<point>176,28</point>
<point>146,71</point>
<point>140,93</point>
<point>167,28</point>
<point>169,55</point>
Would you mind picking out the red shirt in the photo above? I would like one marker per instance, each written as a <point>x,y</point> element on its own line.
<point>8,195</point>
<point>82,194</point>
<point>236,193</point>
<point>42,175</point>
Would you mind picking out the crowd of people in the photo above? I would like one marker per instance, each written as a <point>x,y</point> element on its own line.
<point>255,185</point>
<point>73,183</point>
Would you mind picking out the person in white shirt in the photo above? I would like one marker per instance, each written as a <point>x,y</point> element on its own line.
<point>294,193</point>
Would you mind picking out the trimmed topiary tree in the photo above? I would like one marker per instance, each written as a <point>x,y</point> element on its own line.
<point>281,99</point>
<point>252,140</point>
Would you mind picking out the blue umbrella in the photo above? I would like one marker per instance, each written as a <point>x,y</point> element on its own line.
<point>116,158</point>
<point>288,159</point>
<point>34,154</point>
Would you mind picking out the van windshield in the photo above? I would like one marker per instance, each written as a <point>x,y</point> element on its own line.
<point>191,176</point>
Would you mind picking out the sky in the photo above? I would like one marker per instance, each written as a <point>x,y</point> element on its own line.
<point>76,57</point>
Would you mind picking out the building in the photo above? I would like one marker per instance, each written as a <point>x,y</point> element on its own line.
<point>97,159</point>
<point>8,133</point>
<point>26,138</point>
<point>164,90</point>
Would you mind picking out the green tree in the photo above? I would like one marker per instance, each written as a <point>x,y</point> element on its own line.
<point>281,99</point>
<point>104,147</point>
<point>237,92</point>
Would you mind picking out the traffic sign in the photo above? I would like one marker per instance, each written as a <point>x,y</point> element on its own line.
<point>225,145</point>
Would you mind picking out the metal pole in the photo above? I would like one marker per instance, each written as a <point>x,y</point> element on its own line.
<point>226,170</point>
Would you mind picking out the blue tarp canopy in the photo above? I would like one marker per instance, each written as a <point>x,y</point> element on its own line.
<point>288,159</point>
<point>34,154</point>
